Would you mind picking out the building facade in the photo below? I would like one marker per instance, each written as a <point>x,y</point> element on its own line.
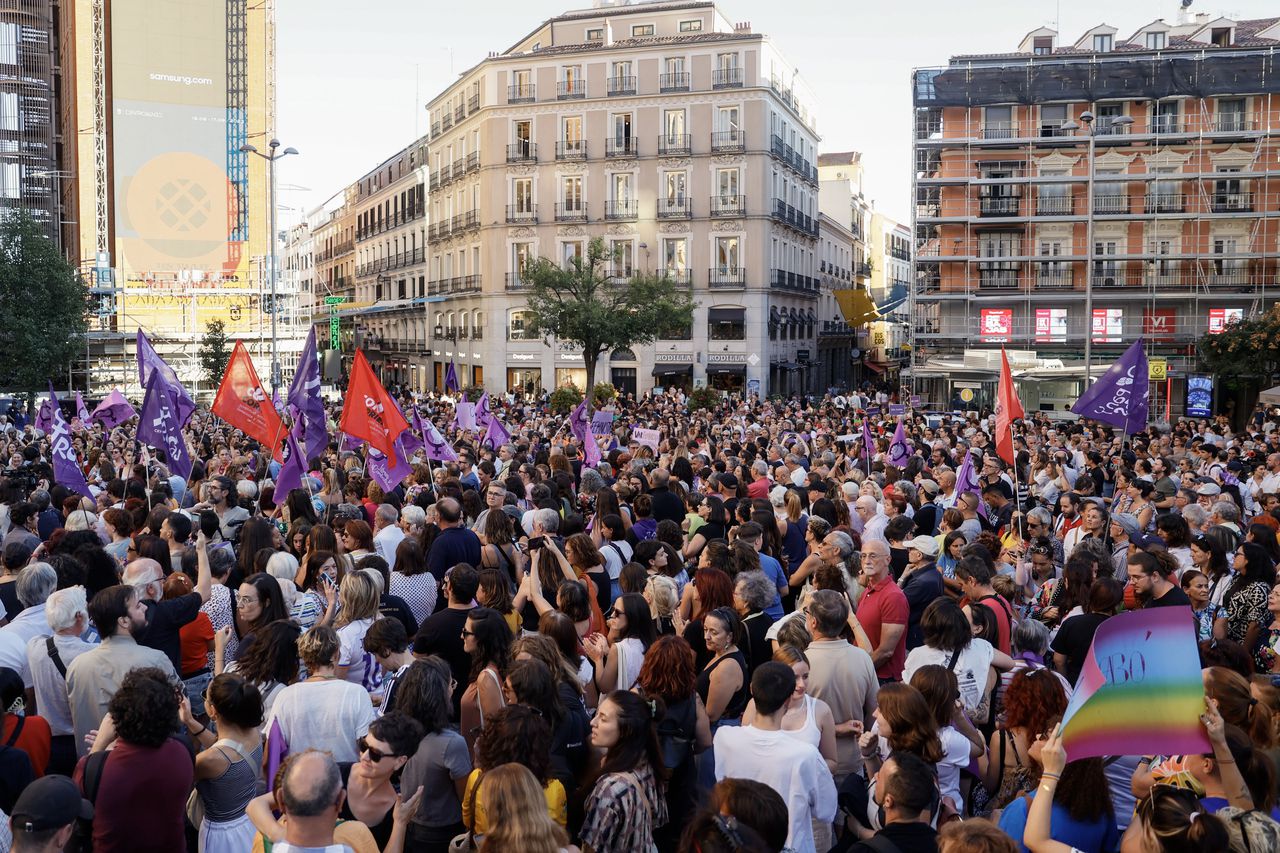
<point>29,139</point>
<point>841,197</point>
<point>1115,188</point>
<point>682,140</point>
<point>886,339</point>
<point>835,336</point>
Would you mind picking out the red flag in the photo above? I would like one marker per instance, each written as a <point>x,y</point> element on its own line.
<point>243,403</point>
<point>1008,409</point>
<point>369,412</point>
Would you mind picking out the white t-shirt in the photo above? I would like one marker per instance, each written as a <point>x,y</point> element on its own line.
<point>616,555</point>
<point>972,668</point>
<point>323,715</point>
<point>362,669</point>
<point>955,755</point>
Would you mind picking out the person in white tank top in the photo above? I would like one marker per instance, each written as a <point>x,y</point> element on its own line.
<point>810,721</point>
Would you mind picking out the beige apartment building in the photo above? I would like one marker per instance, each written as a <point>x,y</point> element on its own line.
<point>685,141</point>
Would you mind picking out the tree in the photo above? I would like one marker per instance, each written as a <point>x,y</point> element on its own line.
<point>214,352</point>
<point>583,305</point>
<point>43,307</point>
<point>1245,349</point>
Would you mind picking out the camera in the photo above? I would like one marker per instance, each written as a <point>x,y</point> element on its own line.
<point>536,542</point>
<point>25,478</point>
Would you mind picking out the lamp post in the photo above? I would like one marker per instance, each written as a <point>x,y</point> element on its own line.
<point>1087,118</point>
<point>271,159</point>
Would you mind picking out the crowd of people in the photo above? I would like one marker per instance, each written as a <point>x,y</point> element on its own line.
<point>758,635</point>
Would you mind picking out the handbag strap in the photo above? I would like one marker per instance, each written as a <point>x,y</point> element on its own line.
<point>471,830</point>
<point>951,664</point>
<point>17,730</point>
<point>52,648</point>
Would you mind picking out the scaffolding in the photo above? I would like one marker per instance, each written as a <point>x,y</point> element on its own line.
<point>1185,204</point>
<point>29,177</point>
<point>237,130</point>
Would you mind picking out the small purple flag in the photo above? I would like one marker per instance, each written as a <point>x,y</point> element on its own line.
<point>388,472</point>
<point>160,427</point>
<point>867,441</point>
<point>411,441</point>
<point>451,378</point>
<point>66,468</point>
<point>967,483</point>
<point>149,361</point>
<point>495,435</point>
<point>899,449</point>
<point>113,410</point>
<point>580,426</point>
<point>352,443</point>
<point>483,412</point>
<point>304,395</point>
<point>464,415</point>
<point>437,447</point>
<point>44,415</point>
<point>1120,396</point>
<point>82,412</point>
<point>293,466</point>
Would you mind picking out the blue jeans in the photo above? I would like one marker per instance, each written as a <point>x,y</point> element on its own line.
<point>195,687</point>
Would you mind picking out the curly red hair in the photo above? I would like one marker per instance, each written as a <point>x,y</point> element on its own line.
<point>1034,699</point>
<point>715,589</point>
<point>669,672</point>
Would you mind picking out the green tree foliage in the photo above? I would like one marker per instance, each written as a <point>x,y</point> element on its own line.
<point>584,306</point>
<point>703,398</point>
<point>43,307</point>
<point>603,394</point>
<point>564,398</point>
<point>214,352</point>
<point>1249,348</point>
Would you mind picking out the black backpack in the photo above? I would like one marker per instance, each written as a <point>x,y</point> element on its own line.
<point>677,733</point>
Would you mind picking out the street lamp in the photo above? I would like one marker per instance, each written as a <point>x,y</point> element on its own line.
<point>271,159</point>
<point>1092,131</point>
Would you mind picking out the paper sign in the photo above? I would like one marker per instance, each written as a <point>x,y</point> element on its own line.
<point>602,422</point>
<point>897,409</point>
<point>648,437</point>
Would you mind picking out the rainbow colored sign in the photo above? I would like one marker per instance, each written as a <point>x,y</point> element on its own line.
<point>1140,690</point>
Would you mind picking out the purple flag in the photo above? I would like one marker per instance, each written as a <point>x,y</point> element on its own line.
<point>411,441</point>
<point>464,415</point>
<point>483,413</point>
<point>437,447</point>
<point>82,412</point>
<point>967,483</point>
<point>293,466</point>
<point>44,415</point>
<point>113,410</point>
<point>304,395</point>
<point>899,449</point>
<point>602,423</point>
<point>495,434</point>
<point>1120,396</point>
<point>352,443</point>
<point>867,441</point>
<point>387,472</point>
<point>580,426</point>
<point>149,361</point>
<point>66,468</point>
<point>451,378</point>
<point>160,427</point>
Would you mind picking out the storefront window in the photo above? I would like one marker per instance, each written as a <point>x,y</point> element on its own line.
<point>727,330</point>
<point>575,376</point>
<point>526,379</point>
<point>726,380</point>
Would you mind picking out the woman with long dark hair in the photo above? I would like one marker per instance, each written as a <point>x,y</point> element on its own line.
<point>259,602</point>
<point>668,675</point>
<point>255,534</point>
<point>412,581</point>
<point>625,801</point>
<point>1208,557</point>
<point>269,662</point>
<point>619,656</point>
<point>1246,598</point>
<point>487,639</point>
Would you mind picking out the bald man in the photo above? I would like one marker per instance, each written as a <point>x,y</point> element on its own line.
<point>166,618</point>
<point>311,794</point>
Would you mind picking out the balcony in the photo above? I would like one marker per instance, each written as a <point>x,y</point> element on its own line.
<point>1000,130</point>
<point>521,93</point>
<point>571,149</point>
<point>473,162</point>
<point>1231,123</point>
<point>675,143</point>
<point>522,152</point>
<point>459,113</point>
<point>998,279</point>
<point>446,121</point>
<point>784,280</point>
<point>1232,202</point>
<point>727,278</point>
<point>1054,279</point>
<point>726,78</point>
<point>571,212</point>
<point>1110,204</point>
<point>729,140</point>
<point>568,90</point>
<point>625,85</point>
<point>1164,202</point>
<point>473,103</point>
<point>681,278</point>
<point>622,146</point>
<point>470,221</point>
<point>862,270</point>
<point>674,208</point>
<point>1053,205</point>
<point>1107,126</point>
<point>998,205</point>
<point>621,209</point>
<point>728,205</point>
<point>522,214</point>
<point>1163,125</point>
<point>468,284</point>
<point>517,282</point>
<point>674,82</point>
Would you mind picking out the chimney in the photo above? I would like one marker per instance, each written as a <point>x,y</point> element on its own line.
<point>742,28</point>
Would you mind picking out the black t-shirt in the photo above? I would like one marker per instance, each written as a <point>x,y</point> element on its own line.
<point>1174,597</point>
<point>441,634</point>
<point>164,620</point>
<point>1073,640</point>
<point>9,598</point>
<point>393,606</point>
<point>907,837</point>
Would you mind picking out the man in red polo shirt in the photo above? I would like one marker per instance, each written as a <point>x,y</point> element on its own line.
<point>882,612</point>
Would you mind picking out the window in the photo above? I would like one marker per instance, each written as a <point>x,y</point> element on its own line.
<point>727,183</point>
<point>1102,43</point>
<point>997,123</point>
<point>522,195</point>
<point>726,61</point>
<point>595,34</point>
<point>521,257</point>
<point>673,124</point>
<point>675,255</point>
<point>572,193</point>
<point>622,253</point>
<point>1231,112</point>
<point>621,69</point>
<point>1165,195</point>
<point>1155,41</point>
<point>691,26</point>
<point>571,130</point>
<point>641,30</point>
<point>674,184</point>
<point>674,65</point>
<point>1220,36</point>
<point>728,120</point>
<point>1164,117</point>
<point>726,324</point>
<point>1107,115</point>
<point>571,251</point>
<point>571,82</point>
<point>520,330</point>
<point>1052,117</point>
<point>622,188</point>
<point>9,119</point>
<point>9,44</point>
<point>727,255</point>
<point>1042,45</point>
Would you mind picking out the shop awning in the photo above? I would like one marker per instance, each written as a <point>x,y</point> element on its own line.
<point>1270,397</point>
<point>673,370</point>
<point>874,367</point>
<point>740,369</point>
<point>856,305</point>
<point>726,315</point>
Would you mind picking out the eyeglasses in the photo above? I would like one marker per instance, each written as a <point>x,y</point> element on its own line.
<point>375,754</point>
<point>467,633</point>
<point>245,601</point>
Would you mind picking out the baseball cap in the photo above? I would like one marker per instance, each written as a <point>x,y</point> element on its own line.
<point>1209,489</point>
<point>1127,522</point>
<point>926,545</point>
<point>729,481</point>
<point>50,802</point>
<point>930,487</point>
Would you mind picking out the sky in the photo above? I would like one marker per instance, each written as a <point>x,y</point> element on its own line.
<point>353,79</point>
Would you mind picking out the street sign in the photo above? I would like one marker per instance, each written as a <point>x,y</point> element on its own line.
<point>1157,369</point>
<point>334,343</point>
<point>334,300</point>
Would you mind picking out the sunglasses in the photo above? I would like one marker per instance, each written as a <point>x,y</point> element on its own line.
<point>375,755</point>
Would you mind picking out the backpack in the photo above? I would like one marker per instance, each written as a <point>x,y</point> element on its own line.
<point>676,733</point>
<point>1251,831</point>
